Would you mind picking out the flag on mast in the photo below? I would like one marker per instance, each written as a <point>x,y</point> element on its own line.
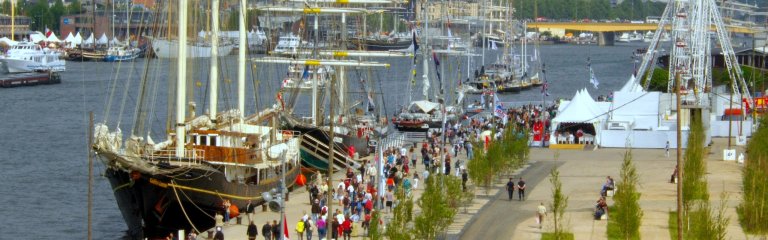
<point>592,77</point>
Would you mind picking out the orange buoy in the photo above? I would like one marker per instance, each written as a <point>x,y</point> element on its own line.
<point>301,180</point>
<point>233,211</point>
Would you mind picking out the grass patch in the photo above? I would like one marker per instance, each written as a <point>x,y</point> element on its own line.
<point>672,224</point>
<point>612,230</point>
<point>551,236</point>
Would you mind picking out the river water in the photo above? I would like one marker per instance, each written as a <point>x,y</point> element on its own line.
<point>43,145</point>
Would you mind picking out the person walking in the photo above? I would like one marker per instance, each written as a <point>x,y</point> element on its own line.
<point>266,231</point>
<point>308,228</point>
<point>321,228</point>
<point>521,189</point>
<point>300,229</point>
<point>541,211</point>
<point>666,150</point>
<point>249,209</point>
<point>464,178</point>
<point>253,231</point>
<point>510,188</point>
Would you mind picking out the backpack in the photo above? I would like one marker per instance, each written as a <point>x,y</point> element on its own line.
<point>300,227</point>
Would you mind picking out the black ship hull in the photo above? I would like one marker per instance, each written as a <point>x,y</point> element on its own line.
<point>156,205</point>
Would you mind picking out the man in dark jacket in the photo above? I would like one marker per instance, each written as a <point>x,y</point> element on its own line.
<point>249,209</point>
<point>266,231</point>
<point>253,231</point>
<point>275,230</point>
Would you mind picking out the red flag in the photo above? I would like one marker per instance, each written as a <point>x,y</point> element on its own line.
<point>285,228</point>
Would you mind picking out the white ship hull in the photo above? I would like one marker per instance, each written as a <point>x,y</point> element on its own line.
<point>169,49</point>
<point>22,66</point>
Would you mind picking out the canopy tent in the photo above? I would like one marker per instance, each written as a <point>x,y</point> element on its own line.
<point>115,41</point>
<point>423,106</point>
<point>78,39</point>
<point>90,40</point>
<point>103,39</point>
<point>52,38</point>
<point>8,41</point>
<point>632,85</point>
<point>70,40</point>
<point>582,110</point>
<point>36,37</point>
<point>638,110</point>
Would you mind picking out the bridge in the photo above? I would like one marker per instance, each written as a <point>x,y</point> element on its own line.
<point>606,31</point>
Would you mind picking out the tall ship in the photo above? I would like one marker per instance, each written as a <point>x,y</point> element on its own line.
<point>324,78</point>
<point>205,160</point>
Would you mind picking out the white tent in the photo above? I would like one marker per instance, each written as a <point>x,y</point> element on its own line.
<point>632,85</point>
<point>70,40</point>
<point>36,37</point>
<point>78,40</point>
<point>115,41</point>
<point>581,109</point>
<point>52,38</point>
<point>8,41</point>
<point>639,110</point>
<point>89,40</point>
<point>424,106</point>
<point>103,39</point>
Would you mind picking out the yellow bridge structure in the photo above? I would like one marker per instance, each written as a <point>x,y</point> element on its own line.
<point>606,31</point>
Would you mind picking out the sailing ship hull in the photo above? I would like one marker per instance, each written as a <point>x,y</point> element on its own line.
<point>156,205</point>
<point>22,66</point>
<point>375,45</point>
<point>169,49</point>
<point>120,58</point>
<point>316,157</point>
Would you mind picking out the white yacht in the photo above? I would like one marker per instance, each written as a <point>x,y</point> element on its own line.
<point>30,57</point>
<point>290,44</point>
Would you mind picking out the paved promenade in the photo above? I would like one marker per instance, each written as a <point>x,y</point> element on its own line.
<point>492,216</point>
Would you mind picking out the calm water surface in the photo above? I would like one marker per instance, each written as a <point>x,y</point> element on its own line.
<point>43,144</point>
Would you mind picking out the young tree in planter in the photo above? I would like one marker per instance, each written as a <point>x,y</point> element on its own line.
<point>436,214</point>
<point>399,227</point>
<point>753,210</point>
<point>694,167</point>
<point>559,204</point>
<point>374,233</point>
<point>479,169</point>
<point>628,214</point>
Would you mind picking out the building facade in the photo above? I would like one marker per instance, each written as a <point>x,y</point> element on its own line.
<point>20,27</point>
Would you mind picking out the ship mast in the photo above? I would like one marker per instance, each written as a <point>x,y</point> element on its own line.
<point>214,77</point>
<point>241,60</point>
<point>181,80</point>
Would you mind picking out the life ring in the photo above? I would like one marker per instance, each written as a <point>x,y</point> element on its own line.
<point>287,134</point>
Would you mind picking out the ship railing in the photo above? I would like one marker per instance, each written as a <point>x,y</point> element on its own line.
<point>191,156</point>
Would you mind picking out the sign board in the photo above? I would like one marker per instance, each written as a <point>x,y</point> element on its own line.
<point>66,21</point>
<point>741,140</point>
<point>729,154</point>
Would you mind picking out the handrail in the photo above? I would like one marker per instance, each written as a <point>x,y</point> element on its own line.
<point>191,156</point>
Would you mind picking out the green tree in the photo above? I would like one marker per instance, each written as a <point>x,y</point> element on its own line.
<point>558,205</point>
<point>753,210</point>
<point>708,222</point>
<point>694,166</point>
<point>56,12</point>
<point>479,170</point>
<point>374,233</point>
<point>399,228</point>
<point>628,214</point>
<point>75,7</point>
<point>6,7</point>
<point>436,213</point>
